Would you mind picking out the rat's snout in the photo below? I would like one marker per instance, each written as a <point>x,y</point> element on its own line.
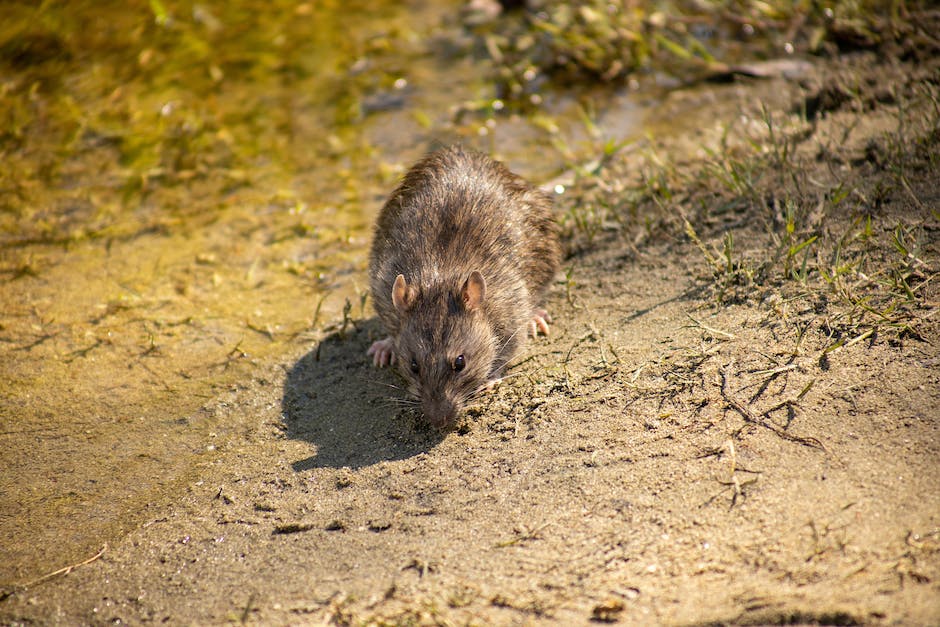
<point>440,412</point>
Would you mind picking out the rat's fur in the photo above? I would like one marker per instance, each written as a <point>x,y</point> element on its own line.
<point>455,213</point>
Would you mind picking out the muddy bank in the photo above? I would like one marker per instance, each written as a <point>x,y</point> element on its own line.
<point>187,197</point>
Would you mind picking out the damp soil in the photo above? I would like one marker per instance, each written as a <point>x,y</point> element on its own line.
<point>687,447</point>
<point>187,196</point>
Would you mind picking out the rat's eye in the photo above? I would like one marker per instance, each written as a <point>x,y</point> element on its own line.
<point>459,363</point>
<point>414,365</point>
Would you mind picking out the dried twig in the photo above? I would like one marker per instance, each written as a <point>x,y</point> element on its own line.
<point>734,483</point>
<point>715,332</point>
<point>67,569</point>
<point>750,417</point>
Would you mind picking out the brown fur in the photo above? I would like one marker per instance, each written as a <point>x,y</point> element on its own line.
<point>457,212</point>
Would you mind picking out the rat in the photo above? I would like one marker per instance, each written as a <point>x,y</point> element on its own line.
<point>462,255</point>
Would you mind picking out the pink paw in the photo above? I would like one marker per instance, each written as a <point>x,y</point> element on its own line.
<point>381,352</point>
<point>539,322</point>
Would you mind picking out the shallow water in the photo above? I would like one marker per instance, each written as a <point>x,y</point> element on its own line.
<point>187,194</point>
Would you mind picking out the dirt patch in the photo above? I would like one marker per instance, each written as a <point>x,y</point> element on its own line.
<point>736,419</point>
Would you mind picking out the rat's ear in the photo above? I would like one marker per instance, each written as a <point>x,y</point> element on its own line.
<point>403,296</point>
<point>473,291</point>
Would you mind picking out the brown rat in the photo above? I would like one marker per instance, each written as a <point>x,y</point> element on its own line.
<point>462,255</point>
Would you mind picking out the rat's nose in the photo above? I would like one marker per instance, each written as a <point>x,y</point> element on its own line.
<point>440,412</point>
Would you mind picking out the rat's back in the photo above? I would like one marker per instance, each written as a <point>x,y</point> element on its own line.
<point>457,211</point>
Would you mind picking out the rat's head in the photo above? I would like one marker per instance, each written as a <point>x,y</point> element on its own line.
<point>445,347</point>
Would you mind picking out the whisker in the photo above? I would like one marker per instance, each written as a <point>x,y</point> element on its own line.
<point>510,338</point>
<point>371,381</point>
<point>389,385</point>
<point>397,406</point>
<point>399,403</point>
<point>511,375</point>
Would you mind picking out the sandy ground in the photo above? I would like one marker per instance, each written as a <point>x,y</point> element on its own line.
<point>686,448</point>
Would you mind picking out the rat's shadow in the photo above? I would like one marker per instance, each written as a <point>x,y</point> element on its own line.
<point>334,399</point>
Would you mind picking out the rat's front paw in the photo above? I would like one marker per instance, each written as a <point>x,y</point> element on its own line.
<point>381,352</point>
<point>539,322</point>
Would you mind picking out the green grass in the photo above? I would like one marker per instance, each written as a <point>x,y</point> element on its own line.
<point>852,242</point>
<point>601,41</point>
